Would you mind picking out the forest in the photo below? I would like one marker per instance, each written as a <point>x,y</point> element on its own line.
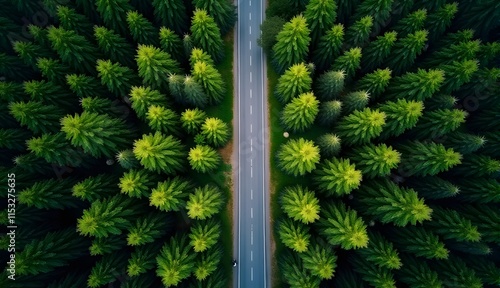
<point>385,142</point>
<point>114,117</point>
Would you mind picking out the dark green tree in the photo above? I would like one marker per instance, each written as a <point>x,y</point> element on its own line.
<point>294,272</point>
<point>203,158</point>
<point>420,242</point>
<point>320,260</point>
<point>360,127</point>
<point>300,113</point>
<point>300,204</point>
<point>117,78</point>
<point>142,260</point>
<point>55,149</point>
<point>175,261</point>
<point>411,23</point>
<point>295,81</point>
<point>141,29</point>
<point>329,145</point>
<point>433,187</point>
<point>205,202</point>
<point>137,183</point>
<point>380,251</point>
<point>380,10</point>
<point>147,228</point>
<point>269,30</point>
<point>298,156</point>
<point>375,160</point>
<point>375,83</point>
<point>204,234</point>
<point>438,21</point>
<point>160,153</point>
<point>293,234</point>
<point>49,194</point>
<point>206,34</point>
<point>417,273</point>
<point>330,85</point>
<point>223,12</point>
<point>163,119</point>
<point>337,177</point>
<point>216,131</point>
<point>449,224</point>
<point>170,195</point>
<point>70,19</point>
<point>172,14</point>
<point>143,98</point>
<point>477,165</point>
<point>356,100</point>
<point>154,65</point>
<point>114,14</point>
<point>192,119</point>
<point>454,272</point>
<point>37,116</point>
<point>349,62</point>
<point>95,188</point>
<point>358,33</point>
<point>377,51</point>
<point>211,80</point>
<point>437,123</point>
<point>374,275</point>
<point>320,15</point>
<point>329,112</point>
<point>416,86</point>
<point>114,46</point>
<point>171,43</point>
<point>292,44</point>
<point>329,47</point>
<point>401,115</point>
<point>406,51</point>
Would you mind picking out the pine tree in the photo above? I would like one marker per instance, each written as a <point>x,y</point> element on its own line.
<point>485,269</point>
<point>377,51</point>
<point>95,188</point>
<point>320,15</point>
<point>294,235</point>
<point>342,226</point>
<point>171,43</point>
<point>14,139</point>
<point>437,123</point>
<point>379,9</point>
<point>49,93</point>
<point>465,143</point>
<point>440,20</point>
<point>469,248</point>
<point>163,119</point>
<point>160,153</point>
<point>141,29</point>
<point>54,250</point>
<point>441,101</point>
<point>418,274</point>
<point>416,86</point>
<point>203,158</point>
<point>486,218</point>
<point>460,51</point>
<point>223,12</point>
<point>455,273</point>
<point>176,261</point>
<point>137,183</point>
<point>170,195</point>
<point>198,54</point>
<point>411,23</point>
<point>356,100</point>
<point>109,216</point>
<point>37,116</point>
<point>298,156</point>
<point>387,202</point>
<point>301,112</point>
<point>30,52</point>
<point>192,119</point>
<point>329,112</point>
<point>55,149</point>
<point>422,159</point>
<point>117,78</point>
<point>449,224</point>
<point>205,202</point>
<point>101,106</point>
<point>433,187</point>
<point>349,62</point>
<point>216,131</point>
<point>477,165</point>
<point>115,47</point>
<point>300,204</point>
<point>329,145</point>
<point>204,234</point>
<point>172,14</point>
<point>337,177</point>
<point>358,33</point>
<point>374,83</point>
<point>329,47</point>
<point>97,134</point>
<point>142,260</point>
<point>85,86</point>
<point>127,160</point>
<point>206,34</point>
<point>105,270</point>
<point>401,116</point>
<point>143,98</point>
<point>70,19</point>
<point>154,65</point>
<point>270,27</point>
<point>52,69</point>
<point>73,49</point>
<point>292,44</point>
<point>330,84</point>
<point>147,228</point>
<point>114,14</point>
<point>457,74</point>
<point>374,275</point>
<point>194,94</point>
<point>176,88</point>
<point>320,261</point>
<point>294,273</point>
<point>406,51</point>
<point>479,190</point>
<point>375,160</point>
<point>207,263</point>
<point>380,252</point>
<point>49,194</point>
<point>360,127</point>
<point>211,80</point>
<point>419,241</point>
<point>295,81</point>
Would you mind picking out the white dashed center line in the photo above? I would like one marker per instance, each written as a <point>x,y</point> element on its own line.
<point>251,213</point>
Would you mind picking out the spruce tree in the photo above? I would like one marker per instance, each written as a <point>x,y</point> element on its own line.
<point>402,115</point>
<point>141,29</point>
<point>358,33</point>
<point>94,188</point>
<point>420,242</point>
<point>417,273</point>
<point>147,228</point>
<point>377,51</point>
<point>440,20</point>
<point>360,127</point>
<point>204,234</point>
<point>356,100</point>
<point>223,12</point>
<point>55,149</point>
<point>330,85</point>
<point>406,51</point>
<point>172,14</point>
<point>374,275</point>
<point>375,83</point>
<point>433,187</point>
<point>143,98</point>
<point>192,119</point>
<point>437,123</point>
<point>298,156</point>
<point>52,69</point>
<point>205,202</point>
<point>175,261</point>
<point>171,43</point>
<point>211,80</point>
<point>300,204</point>
<point>375,160</point>
<point>163,119</point>
<point>193,92</point>
<point>85,86</point>
<point>215,131</point>
<point>154,65</point>
<point>454,272</point>
<point>293,234</point>
<point>70,19</point>
<point>203,158</point>
<point>114,14</point>
<point>379,9</point>
<point>142,260</point>
<point>411,23</point>
<point>37,116</point>
<point>416,86</point>
<point>320,15</point>
<point>449,224</point>
<point>170,195</point>
<point>160,153</point>
<point>295,81</point>
<point>380,251</point>
<point>207,263</point>
<point>477,165</point>
<point>49,194</point>
<point>294,272</point>
<point>329,47</point>
<point>349,62</point>
<point>292,44</point>
<point>319,260</point>
<point>104,270</point>
<point>342,226</point>
<point>137,183</point>
<point>479,190</point>
<point>329,145</point>
<point>329,112</point>
<point>117,78</point>
<point>114,46</point>
<point>337,177</point>
<point>300,113</point>
<point>206,34</point>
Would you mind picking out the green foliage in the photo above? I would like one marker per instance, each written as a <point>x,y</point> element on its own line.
<point>360,127</point>
<point>358,33</point>
<point>292,44</point>
<point>337,177</point>
<point>154,65</point>
<point>454,272</point>
<point>170,195</point>
<point>192,119</point>
<point>207,263</point>
<point>375,160</point>
<point>375,83</point>
<point>143,98</point>
<point>147,228</point>
<point>49,194</point>
<point>349,62</point>
<point>136,183</point>
<point>356,100</point>
<point>320,261</point>
<point>160,153</point>
<point>298,156</point>
<point>175,261</point>
<point>114,46</point>
<point>269,30</point>
<point>204,234</point>
<point>141,29</point>
<point>293,234</point>
<point>433,187</point>
<point>374,275</point>
<point>401,116</point>
<point>381,252</point>
<point>114,12</point>
<point>94,188</point>
<point>342,226</point>
<point>216,131</point>
<point>418,274</point>
<point>295,81</point>
<point>204,202</point>
<point>438,123</point>
<point>206,34</point>
<point>329,47</point>
<point>329,112</point>
<point>142,260</point>
<point>295,274</point>
<point>377,51</point>
<point>163,119</point>
<point>406,51</point>
<point>330,84</point>
<point>420,242</point>
<point>211,80</point>
<point>389,203</point>
<point>329,145</point>
<point>411,23</point>
<point>300,113</point>
<point>203,158</point>
<point>320,15</point>
<point>223,12</point>
<point>37,116</point>
<point>107,245</point>
<point>300,204</point>
<point>449,224</point>
<point>118,79</point>
<point>172,14</point>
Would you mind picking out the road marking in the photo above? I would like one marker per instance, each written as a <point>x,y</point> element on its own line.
<point>251,172</point>
<point>251,256</point>
<point>250,60</point>
<point>250,93</point>
<point>251,237</point>
<point>251,194</point>
<point>251,213</point>
<point>250,15</point>
<point>250,3</point>
<point>251,162</point>
<point>251,273</point>
<point>250,77</point>
<point>251,126</point>
<point>250,109</point>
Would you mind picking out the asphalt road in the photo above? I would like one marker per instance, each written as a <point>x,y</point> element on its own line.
<point>252,237</point>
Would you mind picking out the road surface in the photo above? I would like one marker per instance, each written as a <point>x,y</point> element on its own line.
<point>252,237</point>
